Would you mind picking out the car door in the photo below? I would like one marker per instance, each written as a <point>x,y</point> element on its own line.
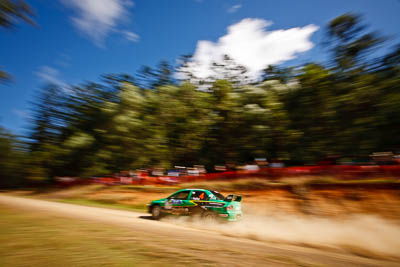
<point>198,196</point>
<point>205,199</point>
<point>179,202</point>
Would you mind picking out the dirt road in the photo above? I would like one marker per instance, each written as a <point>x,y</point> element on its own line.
<point>213,245</point>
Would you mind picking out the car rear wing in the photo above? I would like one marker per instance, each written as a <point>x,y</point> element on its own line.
<point>231,198</point>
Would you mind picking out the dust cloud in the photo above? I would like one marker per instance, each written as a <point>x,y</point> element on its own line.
<point>365,235</point>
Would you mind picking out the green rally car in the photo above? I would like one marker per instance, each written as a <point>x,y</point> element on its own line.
<point>207,204</point>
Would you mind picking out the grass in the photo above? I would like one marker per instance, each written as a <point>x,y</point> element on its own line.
<point>150,188</point>
<point>38,239</point>
<point>253,184</point>
<point>101,204</point>
<point>234,185</point>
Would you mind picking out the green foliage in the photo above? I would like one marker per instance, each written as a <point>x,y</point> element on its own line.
<point>11,10</point>
<point>350,107</point>
<point>12,160</point>
<point>350,42</point>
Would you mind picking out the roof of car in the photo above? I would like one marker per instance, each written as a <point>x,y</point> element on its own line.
<point>200,189</point>
<point>196,189</point>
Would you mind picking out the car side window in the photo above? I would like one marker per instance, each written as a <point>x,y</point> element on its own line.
<point>181,195</point>
<point>199,195</point>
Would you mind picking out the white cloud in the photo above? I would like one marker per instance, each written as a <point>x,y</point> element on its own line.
<point>96,18</point>
<point>249,44</point>
<point>131,36</point>
<point>234,8</point>
<point>50,75</point>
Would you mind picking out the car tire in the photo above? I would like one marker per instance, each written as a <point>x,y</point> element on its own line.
<point>156,212</point>
<point>209,216</point>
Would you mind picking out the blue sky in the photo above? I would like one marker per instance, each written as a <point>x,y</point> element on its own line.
<point>78,40</point>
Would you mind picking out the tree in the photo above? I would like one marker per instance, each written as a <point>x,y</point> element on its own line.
<point>276,73</point>
<point>152,78</point>
<point>48,122</point>
<point>12,10</point>
<point>12,159</point>
<point>350,106</point>
<point>349,42</point>
<point>47,117</point>
<point>223,69</point>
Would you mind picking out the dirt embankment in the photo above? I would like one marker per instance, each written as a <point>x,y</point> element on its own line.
<point>259,197</point>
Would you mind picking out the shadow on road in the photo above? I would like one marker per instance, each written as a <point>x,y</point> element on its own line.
<point>146,217</point>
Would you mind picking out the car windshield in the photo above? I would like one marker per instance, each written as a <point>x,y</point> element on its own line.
<point>218,195</point>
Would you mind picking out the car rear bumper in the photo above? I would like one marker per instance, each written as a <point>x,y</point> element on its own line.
<point>232,216</point>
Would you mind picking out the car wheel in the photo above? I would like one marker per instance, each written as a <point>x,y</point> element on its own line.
<point>156,212</point>
<point>209,216</point>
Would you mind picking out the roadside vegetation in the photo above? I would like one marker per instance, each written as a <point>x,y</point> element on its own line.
<point>346,106</point>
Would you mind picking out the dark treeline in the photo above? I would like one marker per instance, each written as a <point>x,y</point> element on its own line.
<point>348,106</point>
